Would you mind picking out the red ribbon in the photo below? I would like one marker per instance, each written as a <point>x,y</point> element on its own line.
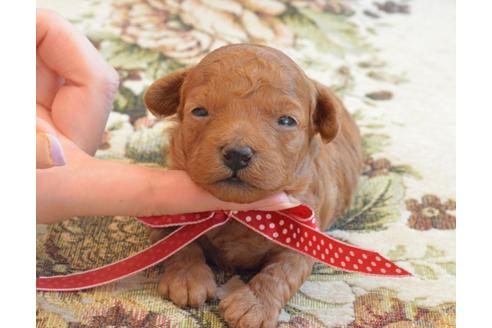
<point>294,228</point>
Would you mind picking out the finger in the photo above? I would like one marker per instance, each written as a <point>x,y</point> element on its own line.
<point>89,187</point>
<point>47,83</point>
<point>43,126</point>
<point>275,202</point>
<point>44,123</point>
<point>67,51</point>
<point>174,192</point>
<point>49,151</point>
<point>81,105</point>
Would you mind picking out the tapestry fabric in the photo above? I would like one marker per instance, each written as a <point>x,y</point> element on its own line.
<point>392,63</point>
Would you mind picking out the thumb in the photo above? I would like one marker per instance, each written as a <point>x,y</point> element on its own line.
<point>49,151</point>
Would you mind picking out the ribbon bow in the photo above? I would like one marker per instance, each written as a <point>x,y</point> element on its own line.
<point>294,228</point>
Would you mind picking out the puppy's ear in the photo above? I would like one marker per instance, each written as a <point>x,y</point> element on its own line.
<point>163,96</point>
<point>326,116</point>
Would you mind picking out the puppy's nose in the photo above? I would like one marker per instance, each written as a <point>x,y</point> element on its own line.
<point>237,158</point>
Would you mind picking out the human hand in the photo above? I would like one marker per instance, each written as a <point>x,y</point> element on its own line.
<point>74,92</point>
<point>75,87</point>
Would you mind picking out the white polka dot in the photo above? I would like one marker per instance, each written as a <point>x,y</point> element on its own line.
<point>314,252</point>
<point>332,260</point>
<point>318,248</point>
<point>272,225</point>
<point>258,217</point>
<point>359,261</point>
<point>388,265</point>
<point>378,258</point>
<point>291,226</point>
<point>298,230</point>
<point>268,216</point>
<point>305,248</point>
<point>305,234</point>
<point>302,239</point>
<point>323,256</point>
<point>398,271</point>
<point>314,238</point>
<point>347,258</point>
<point>284,231</point>
<point>248,219</point>
<point>369,269</point>
<point>281,222</point>
<point>294,235</point>
<point>275,235</point>
<point>373,264</point>
<point>355,266</point>
<point>383,271</point>
<point>340,250</point>
<point>364,256</point>
<point>322,242</point>
<point>330,246</point>
<point>287,240</point>
<point>310,244</point>
<point>352,253</point>
<point>343,263</point>
<point>262,227</point>
<point>326,251</point>
<point>297,244</point>
<point>336,255</point>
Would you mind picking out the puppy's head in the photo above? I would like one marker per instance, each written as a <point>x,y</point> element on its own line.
<point>247,116</point>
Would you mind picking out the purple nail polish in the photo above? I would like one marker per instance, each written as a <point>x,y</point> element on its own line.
<point>56,151</point>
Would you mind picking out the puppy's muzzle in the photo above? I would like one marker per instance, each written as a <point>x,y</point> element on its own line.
<point>237,158</point>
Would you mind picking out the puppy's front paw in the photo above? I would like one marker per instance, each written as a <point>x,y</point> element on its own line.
<point>191,285</point>
<point>243,309</point>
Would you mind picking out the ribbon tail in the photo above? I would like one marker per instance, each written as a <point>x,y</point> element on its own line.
<point>350,258</point>
<point>298,236</point>
<point>150,256</point>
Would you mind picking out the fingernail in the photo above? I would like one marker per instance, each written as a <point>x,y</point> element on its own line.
<point>292,201</point>
<point>287,202</point>
<point>56,151</point>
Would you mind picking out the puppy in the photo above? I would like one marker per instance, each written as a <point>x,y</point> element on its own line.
<point>250,123</point>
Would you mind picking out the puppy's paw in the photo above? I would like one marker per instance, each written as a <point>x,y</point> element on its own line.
<point>191,285</point>
<point>243,309</point>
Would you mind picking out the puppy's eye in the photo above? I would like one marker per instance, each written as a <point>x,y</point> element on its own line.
<point>200,112</point>
<point>286,121</point>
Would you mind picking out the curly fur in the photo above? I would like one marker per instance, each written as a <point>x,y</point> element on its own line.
<point>245,89</point>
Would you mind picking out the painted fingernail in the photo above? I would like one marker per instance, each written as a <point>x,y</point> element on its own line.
<point>56,151</point>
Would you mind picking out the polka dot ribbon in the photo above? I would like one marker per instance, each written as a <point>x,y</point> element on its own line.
<point>294,228</point>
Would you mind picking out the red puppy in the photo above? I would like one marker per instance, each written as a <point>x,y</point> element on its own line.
<point>250,123</point>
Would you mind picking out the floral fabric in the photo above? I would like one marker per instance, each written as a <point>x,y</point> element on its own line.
<point>391,63</point>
